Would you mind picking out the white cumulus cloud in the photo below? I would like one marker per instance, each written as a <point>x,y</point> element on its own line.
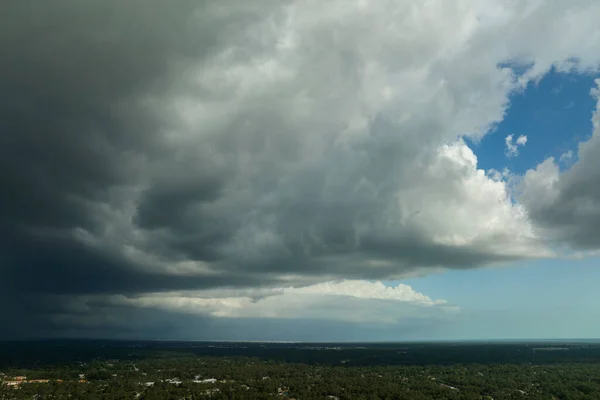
<point>512,148</point>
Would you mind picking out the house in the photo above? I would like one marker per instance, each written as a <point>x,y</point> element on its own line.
<point>38,381</point>
<point>12,383</point>
<point>210,380</point>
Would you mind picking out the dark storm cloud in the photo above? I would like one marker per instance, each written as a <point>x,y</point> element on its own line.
<point>151,146</point>
<point>74,128</point>
<point>81,131</point>
<point>69,118</point>
<point>171,208</point>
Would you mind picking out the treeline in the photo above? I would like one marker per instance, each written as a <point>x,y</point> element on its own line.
<point>36,354</point>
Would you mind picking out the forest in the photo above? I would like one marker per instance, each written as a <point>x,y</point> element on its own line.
<point>194,370</point>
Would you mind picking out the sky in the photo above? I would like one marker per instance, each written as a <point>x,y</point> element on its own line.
<point>299,170</point>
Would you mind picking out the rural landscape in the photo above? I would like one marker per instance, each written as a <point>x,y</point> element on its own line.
<point>89,369</point>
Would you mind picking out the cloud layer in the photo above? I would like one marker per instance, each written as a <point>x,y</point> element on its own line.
<point>202,145</point>
<point>345,301</point>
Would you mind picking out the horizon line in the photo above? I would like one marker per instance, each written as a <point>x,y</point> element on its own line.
<point>494,340</point>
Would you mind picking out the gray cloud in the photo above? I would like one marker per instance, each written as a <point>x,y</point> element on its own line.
<point>152,147</point>
<point>567,204</point>
<point>77,130</point>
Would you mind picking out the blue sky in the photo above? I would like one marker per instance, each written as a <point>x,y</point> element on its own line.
<point>538,298</point>
<point>554,113</point>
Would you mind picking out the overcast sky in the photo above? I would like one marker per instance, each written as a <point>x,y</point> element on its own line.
<point>298,170</point>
